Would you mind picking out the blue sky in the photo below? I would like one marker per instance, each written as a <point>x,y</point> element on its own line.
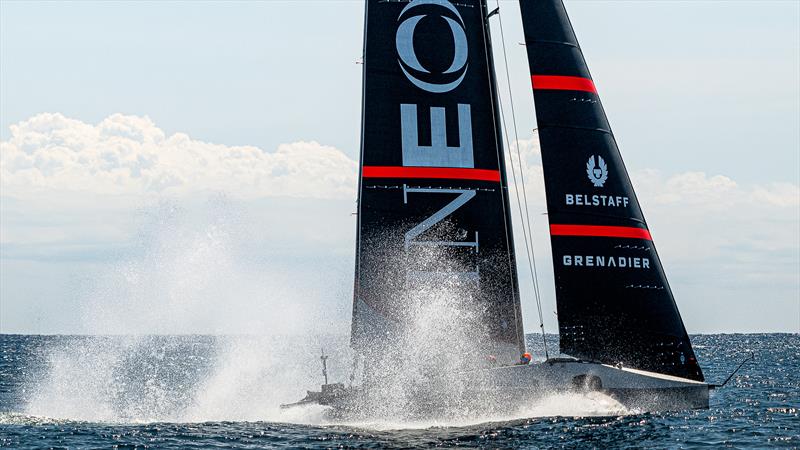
<point>117,104</point>
<point>675,76</point>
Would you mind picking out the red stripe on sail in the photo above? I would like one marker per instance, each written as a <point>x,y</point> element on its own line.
<point>449,173</point>
<point>563,83</point>
<point>600,231</point>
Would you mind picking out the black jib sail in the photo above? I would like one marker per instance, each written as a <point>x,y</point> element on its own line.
<point>433,211</point>
<point>614,302</point>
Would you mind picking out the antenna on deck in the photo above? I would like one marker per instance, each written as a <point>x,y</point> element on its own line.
<point>324,359</point>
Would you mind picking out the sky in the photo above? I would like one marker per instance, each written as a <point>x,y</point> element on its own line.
<point>192,167</point>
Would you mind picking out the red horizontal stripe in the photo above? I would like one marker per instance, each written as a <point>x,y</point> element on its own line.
<point>450,173</point>
<point>563,83</point>
<point>600,231</point>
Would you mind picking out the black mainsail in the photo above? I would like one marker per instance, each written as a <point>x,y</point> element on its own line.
<point>433,205</point>
<point>614,302</point>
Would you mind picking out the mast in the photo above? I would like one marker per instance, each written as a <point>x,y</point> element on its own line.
<point>614,302</point>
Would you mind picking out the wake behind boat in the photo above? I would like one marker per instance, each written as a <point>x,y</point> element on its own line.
<point>434,222</point>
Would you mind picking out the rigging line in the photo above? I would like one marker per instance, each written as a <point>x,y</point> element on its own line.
<point>525,232</point>
<point>532,257</point>
<point>495,100</point>
<point>522,177</point>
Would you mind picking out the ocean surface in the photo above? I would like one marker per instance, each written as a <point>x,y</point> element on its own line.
<point>223,392</point>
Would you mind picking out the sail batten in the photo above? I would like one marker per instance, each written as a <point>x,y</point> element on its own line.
<point>614,302</point>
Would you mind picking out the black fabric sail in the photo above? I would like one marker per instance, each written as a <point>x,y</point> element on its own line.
<point>433,208</point>
<point>614,302</point>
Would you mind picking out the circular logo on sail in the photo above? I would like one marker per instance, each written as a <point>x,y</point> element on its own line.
<point>410,65</point>
<point>597,173</point>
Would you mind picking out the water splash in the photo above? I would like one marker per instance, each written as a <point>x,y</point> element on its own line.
<point>192,276</point>
<point>150,356</point>
<point>207,269</point>
<point>199,379</point>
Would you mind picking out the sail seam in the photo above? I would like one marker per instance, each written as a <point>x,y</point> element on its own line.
<point>546,41</point>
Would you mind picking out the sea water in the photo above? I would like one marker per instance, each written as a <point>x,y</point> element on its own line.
<point>195,391</point>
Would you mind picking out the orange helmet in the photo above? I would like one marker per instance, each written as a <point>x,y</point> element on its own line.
<point>526,357</point>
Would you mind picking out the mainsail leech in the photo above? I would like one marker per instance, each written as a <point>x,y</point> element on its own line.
<point>614,302</point>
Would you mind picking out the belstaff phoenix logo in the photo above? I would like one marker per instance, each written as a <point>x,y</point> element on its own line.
<point>598,174</point>
<point>409,63</point>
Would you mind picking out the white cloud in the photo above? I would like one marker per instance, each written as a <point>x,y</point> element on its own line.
<point>71,189</point>
<point>131,155</point>
<point>723,245</point>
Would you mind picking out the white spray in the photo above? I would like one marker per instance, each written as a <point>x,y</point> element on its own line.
<point>238,335</point>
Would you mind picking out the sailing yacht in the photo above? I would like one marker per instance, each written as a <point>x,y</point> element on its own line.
<point>434,222</point>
